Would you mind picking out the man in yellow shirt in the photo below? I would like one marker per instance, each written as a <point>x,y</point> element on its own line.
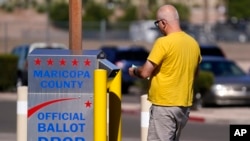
<point>171,66</point>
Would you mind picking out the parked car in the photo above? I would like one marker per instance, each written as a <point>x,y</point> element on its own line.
<point>22,52</point>
<point>125,57</point>
<point>231,84</point>
<point>211,50</point>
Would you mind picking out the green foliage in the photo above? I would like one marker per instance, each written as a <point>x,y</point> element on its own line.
<point>96,12</point>
<point>239,9</point>
<point>59,12</point>
<point>204,82</point>
<point>130,14</point>
<point>152,14</point>
<point>8,75</point>
<point>41,8</point>
<point>142,84</point>
<point>184,11</point>
<point>7,7</point>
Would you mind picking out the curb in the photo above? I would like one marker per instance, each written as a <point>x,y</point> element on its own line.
<point>218,116</point>
<point>196,119</point>
<point>8,96</point>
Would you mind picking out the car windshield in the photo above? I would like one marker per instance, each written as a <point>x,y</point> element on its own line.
<point>222,68</point>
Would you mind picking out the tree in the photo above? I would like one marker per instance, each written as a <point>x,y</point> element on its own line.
<point>59,14</point>
<point>96,12</point>
<point>130,13</point>
<point>239,9</point>
<point>184,11</point>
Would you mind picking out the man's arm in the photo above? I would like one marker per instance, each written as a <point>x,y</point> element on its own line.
<point>144,71</point>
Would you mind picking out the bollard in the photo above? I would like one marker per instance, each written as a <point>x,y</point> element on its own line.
<point>145,105</point>
<point>100,105</point>
<point>115,131</point>
<point>22,106</point>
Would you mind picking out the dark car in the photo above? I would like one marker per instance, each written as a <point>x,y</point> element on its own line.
<point>211,50</point>
<point>22,52</point>
<point>231,84</point>
<point>125,57</point>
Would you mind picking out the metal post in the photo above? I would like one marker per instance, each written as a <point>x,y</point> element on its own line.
<point>22,107</point>
<point>75,25</point>
<point>5,26</point>
<point>115,108</point>
<point>48,2</point>
<point>145,105</point>
<point>100,105</point>
<point>103,30</point>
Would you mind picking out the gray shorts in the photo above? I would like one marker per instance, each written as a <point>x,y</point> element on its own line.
<point>166,123</point>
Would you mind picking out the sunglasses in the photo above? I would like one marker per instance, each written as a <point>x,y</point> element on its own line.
<point>157,22</point>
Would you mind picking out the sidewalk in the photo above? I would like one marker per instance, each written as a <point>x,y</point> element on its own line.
<point>218,115</point>
<point>131,104</point>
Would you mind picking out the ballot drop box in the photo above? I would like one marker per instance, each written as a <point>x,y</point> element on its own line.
<point>60,93</point>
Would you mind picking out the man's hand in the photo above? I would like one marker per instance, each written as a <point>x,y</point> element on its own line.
<point>131,71</point>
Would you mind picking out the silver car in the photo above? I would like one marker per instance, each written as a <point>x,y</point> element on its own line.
<point>231,84</point>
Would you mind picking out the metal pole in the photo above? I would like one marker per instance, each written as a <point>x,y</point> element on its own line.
<point>145,105</point>
<point>48,22</point>
<point>5,26</point>
<point>115,108</point>
<point>22,107</point>
<point>75,25</point>
<point>100,105</point>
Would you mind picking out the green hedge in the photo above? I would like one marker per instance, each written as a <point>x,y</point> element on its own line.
<point>204,82</point>
<point>8,71</point>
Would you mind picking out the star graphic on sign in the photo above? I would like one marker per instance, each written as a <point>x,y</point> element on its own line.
<point>50,62</point>
<point>87,62</point>
<point>88,104</point>
<point>38,61</point>
<point>62,62</point>
<point>74,62</point>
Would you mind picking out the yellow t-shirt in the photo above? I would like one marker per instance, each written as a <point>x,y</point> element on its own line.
<point>177,56</point>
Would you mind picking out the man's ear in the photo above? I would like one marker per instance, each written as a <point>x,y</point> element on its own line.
<point>164,23</point>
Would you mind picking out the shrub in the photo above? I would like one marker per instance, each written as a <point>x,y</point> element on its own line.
<point>96,12</point>
<point>8,73</point>
<point>204,82</point>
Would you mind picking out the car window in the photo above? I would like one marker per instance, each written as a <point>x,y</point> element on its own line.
<point>222,68</point>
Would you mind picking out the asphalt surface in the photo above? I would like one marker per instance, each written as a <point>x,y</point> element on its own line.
<point>131,104</point>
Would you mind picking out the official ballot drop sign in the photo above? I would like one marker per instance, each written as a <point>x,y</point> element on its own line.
<point>60,96</point>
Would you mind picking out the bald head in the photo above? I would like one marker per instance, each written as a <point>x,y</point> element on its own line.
<point>168,13</point>
<point>169,17</point>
